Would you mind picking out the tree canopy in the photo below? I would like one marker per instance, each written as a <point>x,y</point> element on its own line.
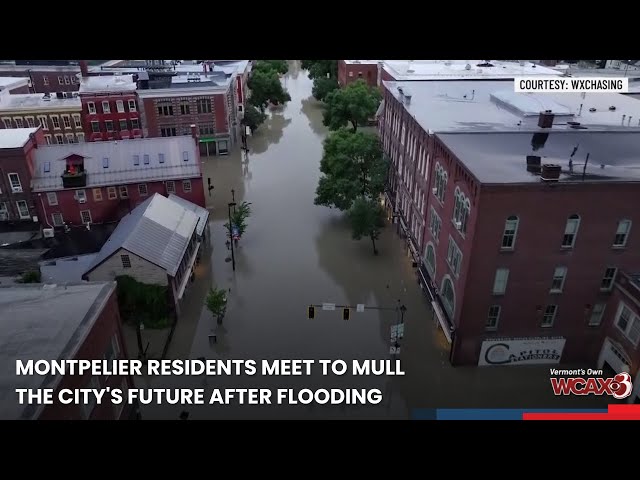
<point>320,68</point>
<point>323,86</point>
<point>355,104</point>
<point>352,166</point>
<point>367,220</point>
<point>266,88</point>
<point>253,117</point>
<point>279,66</point>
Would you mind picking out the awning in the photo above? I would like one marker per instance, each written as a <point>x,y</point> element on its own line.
<point>207,140</point>
<point>446,328</point>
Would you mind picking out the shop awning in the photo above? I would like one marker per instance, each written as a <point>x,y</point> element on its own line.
<point>207,140</point>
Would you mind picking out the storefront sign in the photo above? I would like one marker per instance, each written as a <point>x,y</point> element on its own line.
<point>521,351</point>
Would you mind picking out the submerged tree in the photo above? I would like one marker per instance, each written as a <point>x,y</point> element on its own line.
<point>253,117</point>
<point>354,104</point>
<point>217,302</point>
<point>279,66</point>
<point>266,88</point>
<point>367,220</point>
<point>239,218</point>
<point>323,86</point>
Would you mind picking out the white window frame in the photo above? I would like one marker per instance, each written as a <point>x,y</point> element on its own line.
<point>52,199</point>
<point>136,125</point>
<point>55,120</point>
<point>108,126</point>
<point>123,190</point>
<point>45,80</point>
<point>497,281</point>
<point>57,215</point>
<point>19,122</point>
<point>431,268</point>
<point>47,139</point>
<point>571,220</point>
<point>450,308</point>
<point>80,137</point>
<point>493,318</point>
<point>31,123</point>
<point>143,190</point>
<point>82,215</point>
<point>4,211</point>
<point>454,257</point>
<point>70,137</point>
<point>7,122</point>
<point>402,135</point>
<point>81,196</point>
<point>66,80</point>
<point>98,197</point>
<point>23,217</point>
<point>610,278</point>
<point>132,106</point>
<point>44,122</point>
<point>16,187</point>
<point>119,106</point>
<point>106,107</point>
<point>510,232</point>
<point>631,322</point>
<point>60,80</point>
<point>561,274</point>
<point>171,189</point>
<point>66,121</point>
<point>91,108</point>
<point>184,186</point>
<point>59,138</point>
<point>624,228</point>
<point>77,120</point>
<point>597,312</point>
<point>545,315</point>
<point>112,193</point>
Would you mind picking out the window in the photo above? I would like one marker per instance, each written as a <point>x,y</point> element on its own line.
<point>52,198</point>
<point>124,191</point>
<point>168,132</point>
<point>440,183</point>
<point>95,126</point>
<point>45,80</point>
<point>60,80</point>
<point>120,106</point>
<point>596,314</point>
<point>70,137</point>
<point>454,257</point>
<point>66,80</point>
<point>351,74</point>
<point>559,276</point>
<point>126,261</point>
<point>113,350</point>
<point>43,122</point>
<point>108,125</point>
<point>105,162</point>
<point>4,211</point>
<point>19,122</point>
<point>57,219</point>
<point>135,123</point>
<point>186,186</point>
<point>510,232</point>
<point>434,224</point>
<point>59,138</point>
<point>80,137</point>
<point>204,105</point>
<point>184,109</point>
<point>47,138</point>
<point>74,80</point>
<point>206,129</point>
<point>112,193</point>
<point>136,159</point>
<point>500,281</point>
<point>46,167</point>
<point>448,296</point>
<point>87,408</point>
<point>620,240</point>
<point>609,277</point>
<point>85,216</point>
<point>14,181</point>
<point>123,125</point>
<point>30,122</point>
<point>66,121</point>
<point>161,158</point>
<point>461,211</point>
<point>146,159</point>
<point>402,135</point>
<point>132,106</point>
<point>91,107</point>
<point>81,196</point>
<point>171,186</point>
<point>77,122</point>
<point>430,258</point>
<point>628,323</point>
<point>55,121</point>
<point>493,317</point>
<point>165,110</point>
<point>142,189</point>
<point>106,108</point>
<point>7,123</point>
<point>185,156</point>
<point>97,194</point>
<point>23,209</point>
<point>549,316</point>
<point>570,231</point>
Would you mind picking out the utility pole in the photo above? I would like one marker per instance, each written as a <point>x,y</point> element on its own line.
<point>233,199</point>
<point>233,257</point>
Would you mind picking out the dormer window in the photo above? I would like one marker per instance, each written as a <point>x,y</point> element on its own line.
<point>75,165</point>
<point>146,159</point>
<point>161,157</point>
<point>105,162</point>
<point>185,156</point>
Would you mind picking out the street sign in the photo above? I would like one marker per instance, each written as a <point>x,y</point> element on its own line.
<point>235,232</point>
<point>397,331</point>
<point>360,308</point>
<point>329,306</point>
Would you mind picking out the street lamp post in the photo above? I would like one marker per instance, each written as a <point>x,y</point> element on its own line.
<point>233,199</point>
<point>233,257</point>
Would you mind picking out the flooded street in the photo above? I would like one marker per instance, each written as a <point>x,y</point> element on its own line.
<point>295,254</point>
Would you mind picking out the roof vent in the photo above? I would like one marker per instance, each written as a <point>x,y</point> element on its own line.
<point>486,63</point>
<point>407,98</point>
<point>592,109</point>
<point>545,120</point>
<point>578,127</point>
<point>533,163</point>
<point>467,66</point>
<point>612,108</point>
<point>573,123</point>
<point>550,172</point>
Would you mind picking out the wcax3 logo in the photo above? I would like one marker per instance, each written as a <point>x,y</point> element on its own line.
<point>619,386</point>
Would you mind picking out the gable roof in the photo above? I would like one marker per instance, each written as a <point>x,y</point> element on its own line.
<point>157,230</point>
<point>203,213</point>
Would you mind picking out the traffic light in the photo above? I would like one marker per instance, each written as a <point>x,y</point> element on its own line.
<point>311,312</point>
<point>345,313</point>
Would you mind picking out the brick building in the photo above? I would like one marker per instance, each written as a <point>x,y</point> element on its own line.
<point>110,108</point>
<point>59,115</point>
<point>17,148</point>
<point>453,203</point>
<point>101,182</point>
<point>82,322</point>
<point>45,78</point>
<point>14,85</point>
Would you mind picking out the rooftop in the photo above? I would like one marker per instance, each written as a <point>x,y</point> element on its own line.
<point>158,230</point>
<point>27,333</point>
<point>403,70</point>
<point>156,158</point>
<point>38,102</point>
<point>65,270</point>
<point>39,68</point>
<point>497,158</point>
<point>15,137</point>
<point>451,106</point>
<point>107,84</point>
<point>202,213</point>
<point>9,83</point>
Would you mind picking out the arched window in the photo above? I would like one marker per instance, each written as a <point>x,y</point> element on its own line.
<point>448,296</point>
<point>458,205</point>
<point>430,258</point>
<point>442,186</point>
<point>466,209</point>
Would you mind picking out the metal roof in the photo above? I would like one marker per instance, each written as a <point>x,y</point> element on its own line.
<point>39,322</point>
<point>112,83</point>
<point>38,102</point>
<point>202,213</point>
<point>157,230</point>
<point>16,137</point>
<point>121,165</point>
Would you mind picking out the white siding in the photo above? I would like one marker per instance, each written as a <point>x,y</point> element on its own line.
<point>142,270</point>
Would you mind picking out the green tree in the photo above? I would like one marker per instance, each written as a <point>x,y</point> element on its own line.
<point>367,220</point>
<point>266,88</point>
<point>320,68</point>
<point>279,66</point>
<point>356,103</point>
<point>239,217</point>
<point>217,302</point>
<point>323,86</point>
<point>31,276</point>
<point>352,166</point>
<point>253,117</point>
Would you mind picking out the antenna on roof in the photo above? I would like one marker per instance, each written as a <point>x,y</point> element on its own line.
<point>584,169</point>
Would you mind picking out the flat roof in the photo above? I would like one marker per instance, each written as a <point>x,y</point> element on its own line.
<point>39,68</point>
<point>43,322</point>
<point>9,83</point>
<point>65,270</point>
<point>463,69</point>
<point>38,102</point>
<point>498,158</point>
<point>110,83</point>
<point>15,137</point>
<point>491,105</point>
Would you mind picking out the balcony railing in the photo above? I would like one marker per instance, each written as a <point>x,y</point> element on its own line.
<point>74,180</point>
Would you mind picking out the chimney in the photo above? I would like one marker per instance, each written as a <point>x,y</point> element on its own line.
<point>550,172</point>
<point>407,98</point>
<point>533,163</point>
<point>401,92</point>
<point>194,132</point>
<point>546,119</point>
<point>84,68</point>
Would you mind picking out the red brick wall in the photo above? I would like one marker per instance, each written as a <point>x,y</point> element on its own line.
<point>114,116</point>
<point>629,294</point>
<point>20,90</point>
<point>220,112</point>
<point>38,79</point>
<point>361,71</point>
